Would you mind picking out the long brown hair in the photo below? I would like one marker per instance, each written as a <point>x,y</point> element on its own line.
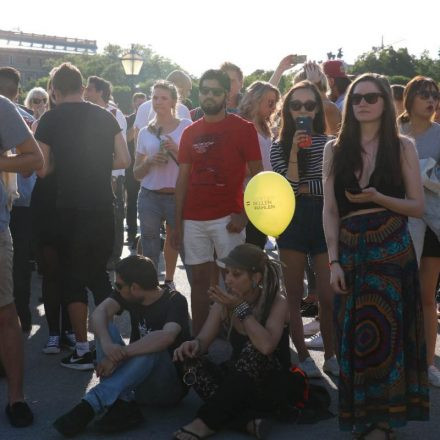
<point>288,125</point>
<point>348,149</point>
<point>416,85</point>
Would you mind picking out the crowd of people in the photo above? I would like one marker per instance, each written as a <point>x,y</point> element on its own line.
<point>363,160</point>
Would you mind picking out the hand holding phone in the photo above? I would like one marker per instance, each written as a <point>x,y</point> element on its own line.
<point>304,123</point>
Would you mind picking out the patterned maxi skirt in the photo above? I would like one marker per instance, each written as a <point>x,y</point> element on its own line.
<point>379,325</point>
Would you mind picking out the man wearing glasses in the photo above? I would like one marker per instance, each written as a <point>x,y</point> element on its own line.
<point>142,370</point>
<point>213,155</point>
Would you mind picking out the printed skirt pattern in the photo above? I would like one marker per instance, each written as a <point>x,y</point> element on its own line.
<point>379,325</point>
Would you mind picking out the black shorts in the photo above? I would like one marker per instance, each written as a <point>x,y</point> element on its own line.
<point>431,245</point>
<point>86,243</point>
<point>305,232</point>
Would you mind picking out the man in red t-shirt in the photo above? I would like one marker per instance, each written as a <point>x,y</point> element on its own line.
<point>213,155</point>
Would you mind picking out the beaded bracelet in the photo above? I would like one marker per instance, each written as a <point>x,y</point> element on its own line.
<point>242,311</point>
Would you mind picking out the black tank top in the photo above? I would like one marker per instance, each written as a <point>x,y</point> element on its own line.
<point>345,207</point>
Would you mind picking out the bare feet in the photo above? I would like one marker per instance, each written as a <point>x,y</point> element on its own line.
<point>195,430</point>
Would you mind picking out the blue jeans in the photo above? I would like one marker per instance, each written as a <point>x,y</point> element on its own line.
<point>153,209</point>
<point>150,379</point>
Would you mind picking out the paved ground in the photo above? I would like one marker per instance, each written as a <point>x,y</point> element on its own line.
<point>52,390</point>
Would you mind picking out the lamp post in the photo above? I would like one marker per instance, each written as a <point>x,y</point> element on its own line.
<point>132,63</point>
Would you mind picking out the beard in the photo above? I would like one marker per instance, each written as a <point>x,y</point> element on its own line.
<point>210,107</point>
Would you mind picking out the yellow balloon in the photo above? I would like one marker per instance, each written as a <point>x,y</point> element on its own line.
<point>269,202</point>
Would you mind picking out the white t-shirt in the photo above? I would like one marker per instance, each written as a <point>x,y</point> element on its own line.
<point>160,176</point>
<point>123,126</point>
<point>265,144</point>
<point>146,114</point>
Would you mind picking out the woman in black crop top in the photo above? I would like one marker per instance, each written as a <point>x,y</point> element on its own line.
<point>255,313</point>
<point>367,173</point>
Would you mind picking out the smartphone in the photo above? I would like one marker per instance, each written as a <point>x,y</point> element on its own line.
<point>299,59</point>
<point>353,190</point>
<point>305,123</point>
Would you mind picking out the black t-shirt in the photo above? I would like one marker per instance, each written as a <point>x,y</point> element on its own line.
<point>170,307</point>
<point>81,136</point>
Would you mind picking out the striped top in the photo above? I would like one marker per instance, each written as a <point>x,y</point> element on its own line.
<point>312,175</point>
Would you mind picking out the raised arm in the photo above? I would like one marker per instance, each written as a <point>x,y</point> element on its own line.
<point>285,64</point>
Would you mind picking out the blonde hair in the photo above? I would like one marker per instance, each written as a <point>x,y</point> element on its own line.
<point>181,80</point>
<point>31,94</point>
<point>249,104</point>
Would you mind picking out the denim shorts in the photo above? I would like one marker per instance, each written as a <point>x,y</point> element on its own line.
<point>305,232</point>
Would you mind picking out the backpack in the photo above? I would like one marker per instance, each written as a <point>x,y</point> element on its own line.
<point>296,399</point>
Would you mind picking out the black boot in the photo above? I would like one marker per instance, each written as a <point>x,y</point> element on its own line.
<point>76,420</point>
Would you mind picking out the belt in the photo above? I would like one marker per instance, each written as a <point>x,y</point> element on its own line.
<point>155,191</point>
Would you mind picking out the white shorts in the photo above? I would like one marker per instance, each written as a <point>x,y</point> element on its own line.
<point>201,238</point>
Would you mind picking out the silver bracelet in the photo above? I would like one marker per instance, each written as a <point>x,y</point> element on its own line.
<point>242,311</point>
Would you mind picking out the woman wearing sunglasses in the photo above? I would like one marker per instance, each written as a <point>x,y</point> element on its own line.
<point>253,313</point>
<point>156,167</point>
<point>371,184</point>
<point>258,106</point>
<point>420,100</point>
<point>297,155</point>
<point>37,100</point>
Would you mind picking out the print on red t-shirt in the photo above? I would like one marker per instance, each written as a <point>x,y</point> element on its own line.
<point>218,153</point>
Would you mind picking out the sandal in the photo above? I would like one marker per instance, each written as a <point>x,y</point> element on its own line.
<point>193,435</point>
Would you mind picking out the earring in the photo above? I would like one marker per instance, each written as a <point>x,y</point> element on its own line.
<point>254,284</point>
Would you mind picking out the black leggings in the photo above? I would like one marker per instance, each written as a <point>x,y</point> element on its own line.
<point>233,392</point>
<point>54,309</point>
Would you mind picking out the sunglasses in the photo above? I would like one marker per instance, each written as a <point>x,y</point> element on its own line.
<point>369,98</point>
<point>216,91</point>
<point>296,105</point>
<point>425,94</point>
<point>37,101</point>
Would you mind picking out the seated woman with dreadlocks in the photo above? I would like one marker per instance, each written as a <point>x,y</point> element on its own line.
<point>254,311</point>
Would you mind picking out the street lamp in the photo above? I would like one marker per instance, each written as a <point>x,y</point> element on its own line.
<point>132,63</point>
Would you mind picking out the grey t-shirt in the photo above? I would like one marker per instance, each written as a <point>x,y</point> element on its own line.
<point>13,132</point>
<point>427,143</point>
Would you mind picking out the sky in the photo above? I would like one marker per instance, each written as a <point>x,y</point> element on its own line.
<point>256,34</point>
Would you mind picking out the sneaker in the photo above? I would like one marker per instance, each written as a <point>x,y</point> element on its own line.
<point>76,420</point>
<point>68,340</point>
<point>19,414</point>
<point>75,362</point>
<point>315,341</point>
<point>309,367</point>
<point>311,328</point>
<point>331,366</point>
<point>53,345</point>
<point>119,417</point>
<point>434,376</point>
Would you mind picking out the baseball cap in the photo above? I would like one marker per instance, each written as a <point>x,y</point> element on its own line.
<point>245,256</point>
<point>334,69</point>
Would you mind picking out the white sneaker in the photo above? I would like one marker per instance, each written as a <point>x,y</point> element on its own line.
<point>311,328</point>
<point>314,341</point>
<point>309,367</point>
<point>331,366</point>
<point>434,376</point>
<point>52,346</point>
